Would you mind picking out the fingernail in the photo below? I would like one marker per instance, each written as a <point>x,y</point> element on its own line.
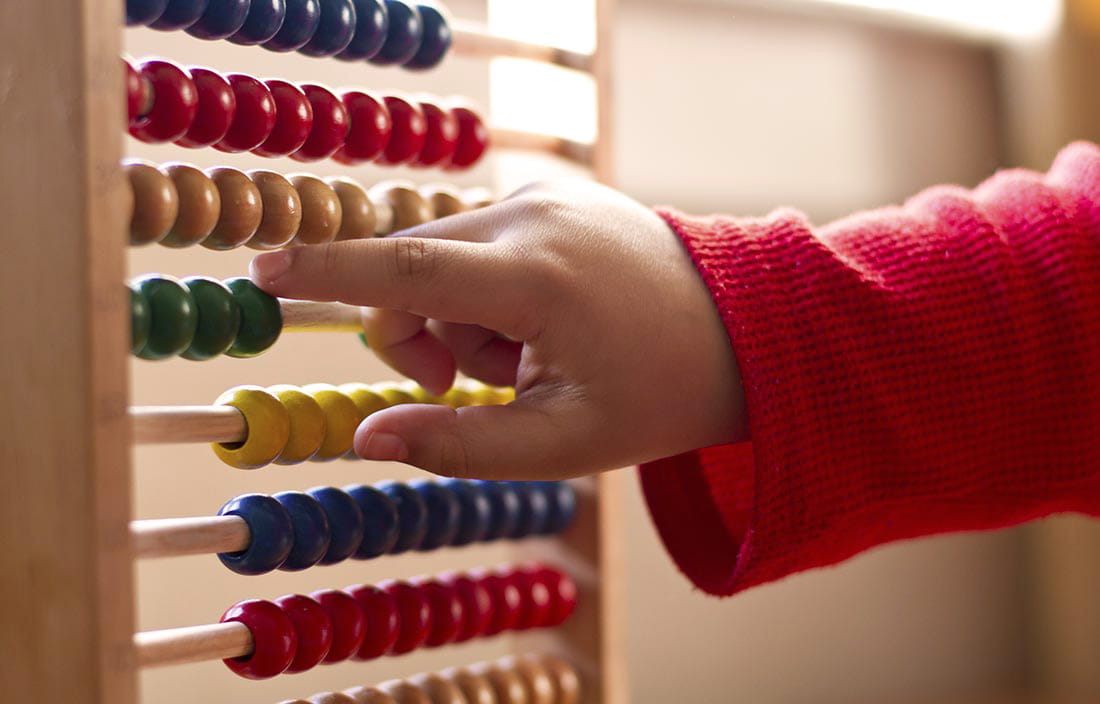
<point>384,446</point>
<point>266,268</point>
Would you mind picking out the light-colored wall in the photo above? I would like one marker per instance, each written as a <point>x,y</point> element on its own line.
<point>717,111</point>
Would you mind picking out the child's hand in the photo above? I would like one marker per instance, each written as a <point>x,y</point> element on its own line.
<point>577,295</point>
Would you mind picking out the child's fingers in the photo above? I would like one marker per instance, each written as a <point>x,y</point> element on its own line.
<point>490,442</point>
<point>400,340</point>
<point>480,353</point>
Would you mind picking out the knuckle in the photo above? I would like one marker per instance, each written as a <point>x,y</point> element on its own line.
<point>412,258</point>
<point>453,459</point>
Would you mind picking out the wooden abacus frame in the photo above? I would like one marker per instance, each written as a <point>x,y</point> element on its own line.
<point>67,621</point>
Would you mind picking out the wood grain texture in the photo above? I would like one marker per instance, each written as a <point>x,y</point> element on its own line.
<point>68,584</point>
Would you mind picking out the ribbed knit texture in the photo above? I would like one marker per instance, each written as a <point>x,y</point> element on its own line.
<point>907,371</point>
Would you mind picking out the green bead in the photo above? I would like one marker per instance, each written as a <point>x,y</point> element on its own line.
<point>173,316</point>
<point>363,339</point>
<point>219,318</point>
<point>139,320</point>
<point>261,319</point>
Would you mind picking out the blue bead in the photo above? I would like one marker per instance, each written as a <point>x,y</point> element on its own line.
<point>436,41</point>
<point>222,18</point>
<point>335,31</point>
<point>311,531</point>
<point>180,14</point>
<point>403,39</point>
<point>475,513</point>
<point>265,19</point>
<point>562,500</point>
<point>379,520</point>
<point>272,534</point>
<point>302,18</point>
<point>412,515</point>
<point>443,513</point>
<point>534,512</point>
<point>504,508</point>
<point>345,523</point>
<point>140,13</point>
<point>372,23</point>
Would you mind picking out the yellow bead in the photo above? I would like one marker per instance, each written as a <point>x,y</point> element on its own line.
<point>420,394</point>
<point>457,397</point>
<point>268,425</point>
<point>307,424</point>
<point>341,420</point>
<point>366,399</point>
<point>502,394</point>
<point>393,393</point>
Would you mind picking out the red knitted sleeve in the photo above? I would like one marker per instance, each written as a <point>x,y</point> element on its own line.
<point>908,371</point>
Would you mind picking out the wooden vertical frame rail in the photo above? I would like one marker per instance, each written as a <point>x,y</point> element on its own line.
<point>67,613</point>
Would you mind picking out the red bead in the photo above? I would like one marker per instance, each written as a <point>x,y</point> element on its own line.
<point>137,92</point>
<point>349,624</point>
<point>273,636</point>
<point>563,595</point>
<point>473,139</point>
<point>370,130</point>
<point>441,138</point>
<point>477,605</point>
<point>505,598</point>
<point>448,615</point>
<point>330,124</point>
<point>413,615</point>
<point>293,120</point>
<point>313,626</point>
<point>535,602</point>
<point>409,132</point>
<point>217,106</point>
<point>382,620</point>
<point>174,103</point>
<point>255,116</point>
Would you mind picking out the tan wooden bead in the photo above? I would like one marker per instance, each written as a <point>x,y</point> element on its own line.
<point>439,689</point>
<point>409,207</point>
<point>331,698</point>
<point>200,205</point>
<point>321,210</point>
<point>478,198</point>
<point>443,200</point>
<point>476,688</point>
<point>541,688</point>
<point>566,680</point>
<point>156,203</point>
<point>369,695</point>
<point>282,211</point>
<point>241,209</point>
<point>405,692</point>
<point>358,219</point>
<point>507,684</point>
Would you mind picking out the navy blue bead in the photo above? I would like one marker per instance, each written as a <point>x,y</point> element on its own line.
<point>222,19</point>
<point>403,39</point>
<point>265,19</point>
<point>299,26</point>
<point>180,14</point>
<point>345,523</point>
<point>504,508</point>
<point>140,13</point>
<point>534,512</point>
<point>380,530</point>
<point>474,511</point>
<point>444,513</point>
<point>372,24</point>
<point>311,531</point>
<point>335,31</point>
<point>562,499</point>
<point>412,515</point>
<point>436,41</point>
<point>272,534</point>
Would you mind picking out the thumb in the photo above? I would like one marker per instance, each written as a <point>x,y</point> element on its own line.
<point>516,441</point>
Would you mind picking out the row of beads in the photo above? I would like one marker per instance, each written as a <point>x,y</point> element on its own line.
<point>290,425</point>
<point>199,107</point>
<point>526,679</point>
<point>296,632</point>
<point>177,205</point>
<point>384,32</point>
<point>200,318</point>
<point>295,530</point>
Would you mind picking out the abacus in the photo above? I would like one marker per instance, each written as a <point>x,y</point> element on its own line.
<point>78,437</point>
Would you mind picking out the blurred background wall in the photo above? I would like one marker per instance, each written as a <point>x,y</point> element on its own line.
<point>738,108</point>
